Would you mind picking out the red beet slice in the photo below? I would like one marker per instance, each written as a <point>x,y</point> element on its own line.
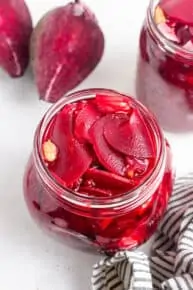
<point>47,203</point>
<point>104,223</point>
<point>191,30</point>
<point>168,32</point>
<point>16,29</point>
<point>79,106</point>
<point>112,104</point>
<point>188,46</point>
<point>66,46</point>
<point>129,136</point>
<point>107,180</point>
<point>64,122</point>
<point>136,167</point>
<point>183,33</point>
<point>109,158</point>
<point>56,177</point>
<point>97,192</point>
<point>73,159</point>
<point>178,10</point>
<point>84,120</point>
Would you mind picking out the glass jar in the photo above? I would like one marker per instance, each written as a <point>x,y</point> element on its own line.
<point>164,82</point>
<point>109,224</point>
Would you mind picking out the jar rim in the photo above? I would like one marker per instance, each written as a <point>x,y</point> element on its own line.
<point>168,45</point>
<point>132,198</point>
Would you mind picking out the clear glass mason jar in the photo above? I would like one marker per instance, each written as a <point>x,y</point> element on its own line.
<point>164,82</point>
<point>110,224</point>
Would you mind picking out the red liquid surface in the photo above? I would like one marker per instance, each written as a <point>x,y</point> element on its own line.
<point>165,80</point>
<point>99,148</point>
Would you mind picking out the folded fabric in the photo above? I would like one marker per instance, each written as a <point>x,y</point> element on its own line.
<point>170,265</point>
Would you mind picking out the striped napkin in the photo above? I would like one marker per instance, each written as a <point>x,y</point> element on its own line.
<point>170,265</point>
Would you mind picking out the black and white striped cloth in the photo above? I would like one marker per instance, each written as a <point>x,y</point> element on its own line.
<point>171,264</point>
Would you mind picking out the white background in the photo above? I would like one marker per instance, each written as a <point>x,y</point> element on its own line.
<point>29,260</point>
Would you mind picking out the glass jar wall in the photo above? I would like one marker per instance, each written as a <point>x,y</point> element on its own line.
<point>165,65</point>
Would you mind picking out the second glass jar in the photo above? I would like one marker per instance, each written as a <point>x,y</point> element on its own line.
<point>165,68</point>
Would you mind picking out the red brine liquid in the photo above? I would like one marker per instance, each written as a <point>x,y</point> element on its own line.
<point>165,65</point>
<point>102,151</point>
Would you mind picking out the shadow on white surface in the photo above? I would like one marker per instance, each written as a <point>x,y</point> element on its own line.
<point>18,89</point>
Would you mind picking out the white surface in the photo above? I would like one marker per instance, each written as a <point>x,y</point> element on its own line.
<point>29,259</point>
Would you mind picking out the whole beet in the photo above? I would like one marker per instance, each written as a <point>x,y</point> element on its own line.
<point>16,29</point>
<point>66,46</point>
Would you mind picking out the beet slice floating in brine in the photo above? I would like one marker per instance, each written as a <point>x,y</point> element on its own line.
<point>178,10</point>
<point>136,167</point>
<point>64,122</point>
<point>191,30</point>
<point>73,159</point>
<point>93,191</point>
<point>129,135</point>
<point>107,180</point>
<point>183,33</point>
<point>109,158</point>
<point>84,120</point>
<point>112,104</point>
<point>168,32</point>
<point>189,46</point>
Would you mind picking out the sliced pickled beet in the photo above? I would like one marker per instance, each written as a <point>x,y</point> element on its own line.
<point>182,33</point>
<point>49,130</point>
<point>74,162</point>
<point>84,120</point>
<point>112,104</point>
<point>41,200</point>
<point>129,135</point>
<point>47,203</point>
<point>80,225</point>
<point>94,191</point>
<point>109,158</point>
<point>168,32</point>
<point>107,180</point>
<point>103,224</point>
<point>64,121</point>
<point>178,10</point>
<point>56,177</point>
<point>136,167</point>
<point>73,159</point>
<point>188,46</point>
<point>191,30</point>
<point>76,185</point>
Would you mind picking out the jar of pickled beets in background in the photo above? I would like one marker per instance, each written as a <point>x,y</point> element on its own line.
<point>100,172</point>
<point>165,66</point>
